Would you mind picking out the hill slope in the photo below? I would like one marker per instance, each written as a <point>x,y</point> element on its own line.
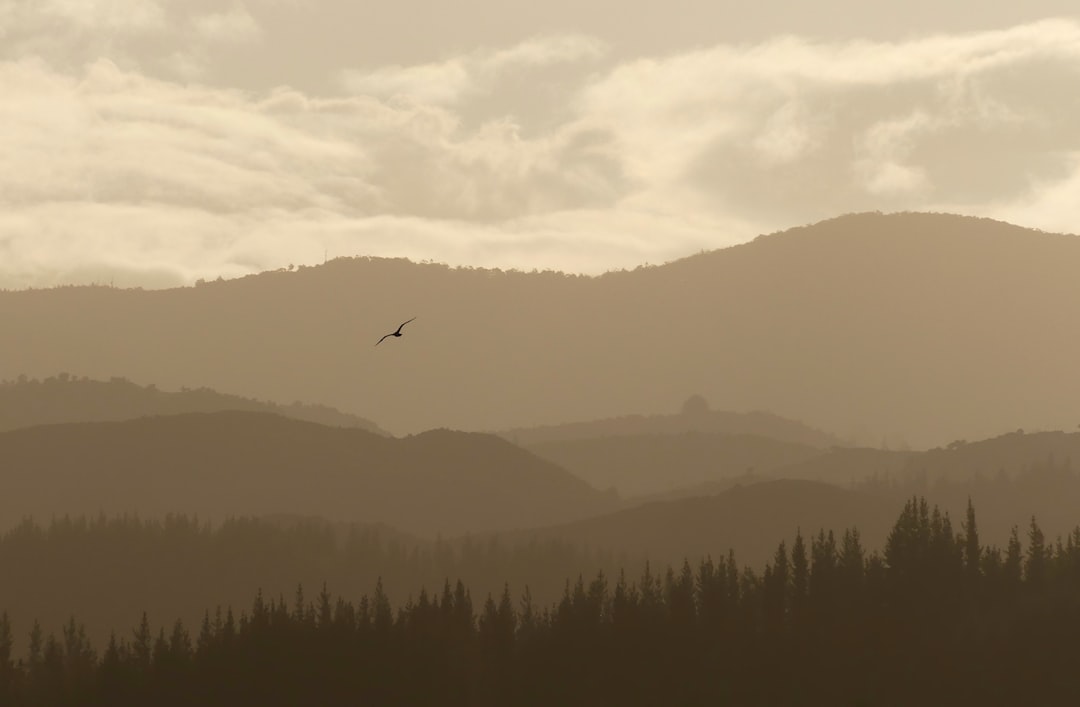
<point>26,403</point>
<point>637,465</point>
<point>752,520</point>
<point>238,463</point>
<point>760,424</point>
<point>919,327</point>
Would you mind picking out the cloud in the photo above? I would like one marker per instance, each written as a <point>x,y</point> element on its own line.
<point>455,79</point>
<point>234,25</point>
<point>803,129</point>
<point>108,15</point>
<point>544,153</point>
<point>1050,205</point>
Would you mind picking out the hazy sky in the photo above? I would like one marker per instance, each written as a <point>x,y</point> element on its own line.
<point>153,142</point>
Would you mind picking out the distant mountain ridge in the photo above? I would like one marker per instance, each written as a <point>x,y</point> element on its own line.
<point>756,423</point>
<point>64,398</point>
<point>1007,454</point>
<point>751,520</point>
<point>917,327</point>
<point>643,464</point>
<point>225,464</point>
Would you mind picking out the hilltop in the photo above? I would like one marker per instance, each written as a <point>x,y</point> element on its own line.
<point>227,464</point>
<point>750,520</point>
<point>918,328</point>
<point>690,420</point>
<point>63,398</point>
<point>637,465</point>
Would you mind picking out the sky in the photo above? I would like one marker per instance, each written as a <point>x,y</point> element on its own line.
<point>152,143</point>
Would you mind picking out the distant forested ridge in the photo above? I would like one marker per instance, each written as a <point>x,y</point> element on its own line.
<point>920,327</point>
<point>937,618</point>
<point>25,402</point>
<point>107,570</point>
<point>232,463</point>
<point>695,417</point>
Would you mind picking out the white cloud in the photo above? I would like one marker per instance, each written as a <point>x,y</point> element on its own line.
<point>788,134</point>
<point>1051,205</point>
<point>454,79</point>
<point>109,15</point>
<point>233,25</point>
<point>104,169</point>
<point>815,127</point>
<point>883,150</point>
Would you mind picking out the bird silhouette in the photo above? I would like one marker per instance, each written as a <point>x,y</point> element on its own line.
<point>394,333</point>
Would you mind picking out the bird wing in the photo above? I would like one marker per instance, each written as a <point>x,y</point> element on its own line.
<point>381,340</point>
<point>403,324</point>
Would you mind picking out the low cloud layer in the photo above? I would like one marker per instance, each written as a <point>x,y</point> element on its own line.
<point>556,151</point>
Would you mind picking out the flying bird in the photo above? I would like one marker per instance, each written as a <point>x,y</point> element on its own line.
<point>394,333</point>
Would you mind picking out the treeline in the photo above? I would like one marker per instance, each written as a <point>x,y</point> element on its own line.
<point>938,618</point>
<point>1048,487</point>
<point>107,570</point>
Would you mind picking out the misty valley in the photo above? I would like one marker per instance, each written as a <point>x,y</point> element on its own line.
<point>832,466</point>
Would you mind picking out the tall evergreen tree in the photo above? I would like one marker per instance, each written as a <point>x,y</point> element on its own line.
<point>972,548</point>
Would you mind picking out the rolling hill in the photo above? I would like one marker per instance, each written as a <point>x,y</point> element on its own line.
<point>751,520</point>
<point>62,398</point>
<point>636,465</point>
<point>924,328</point>
<point>692,419</point>
<point>226,464</point>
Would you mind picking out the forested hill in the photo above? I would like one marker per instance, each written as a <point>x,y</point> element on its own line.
<point>922,328</point>
<point>640,465</point>
<point>226,464</point>
<point>747,519</point>
<point>938,618</point>
<point>27,402</point>
<point>691,420</point>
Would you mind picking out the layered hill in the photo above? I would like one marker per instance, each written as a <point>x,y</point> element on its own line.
<point>917,327</point>
<point>750,519</point>
<point>28,402</point>
<point>636,465</point>
<point>695,418</point>
<point>1004,455</point>
<point>240,463</point>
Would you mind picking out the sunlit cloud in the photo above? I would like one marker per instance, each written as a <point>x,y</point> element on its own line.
<point>233,25</point>
<point>158,179</point>
<point>114,15</point>
<point>457,78</point>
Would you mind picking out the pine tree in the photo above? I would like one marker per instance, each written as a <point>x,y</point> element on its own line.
<point>972,548</point>
<point>7,666</point>
<point>1012,568</point>
<point>1035,564</point>
<point>142,644</point>
<point>800,580</point>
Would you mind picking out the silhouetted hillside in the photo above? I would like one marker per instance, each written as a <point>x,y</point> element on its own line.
<point>748,519</point>
<point>238,463</point>
<point>107,571</point>
<point>1011,477</point>
<point>1006,454</point>
<point>916,327</point>
<point>28,402</point>
<point>938,617</point>
<point>847,466</point>
<point>647,464</point>
<point>760,424</point>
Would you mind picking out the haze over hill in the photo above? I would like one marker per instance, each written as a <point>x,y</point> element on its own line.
<point>917,327</point>
<point>695,416</point>
<point>635,465</point>
<point>1010,478</point>
<point>26,402</point>
<point>750,520</point>
<point>227,464</point>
